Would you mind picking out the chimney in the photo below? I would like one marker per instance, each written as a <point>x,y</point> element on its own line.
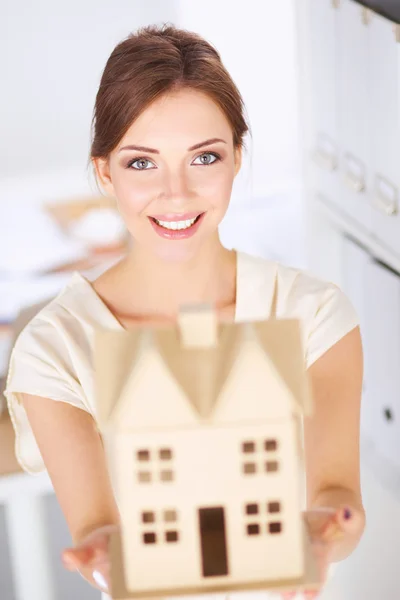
<point>198,326</point>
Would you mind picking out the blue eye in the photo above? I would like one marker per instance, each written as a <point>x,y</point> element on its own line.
<point>205,158</point>
<point>142,162</point>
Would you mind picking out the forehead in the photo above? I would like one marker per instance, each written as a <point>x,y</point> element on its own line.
<point>179,118</point>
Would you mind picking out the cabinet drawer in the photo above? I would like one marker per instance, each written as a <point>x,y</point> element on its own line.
<point>355,263</point>
<point>353,113</point>
<point>382,299</point>
<point>384,124</point>
<point>325,150</point>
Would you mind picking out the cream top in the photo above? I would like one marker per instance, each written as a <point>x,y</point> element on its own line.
<point>53,355</point>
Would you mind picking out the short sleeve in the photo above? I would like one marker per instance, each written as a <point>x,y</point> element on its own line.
<point>40,365</point>
<point>334,318</point>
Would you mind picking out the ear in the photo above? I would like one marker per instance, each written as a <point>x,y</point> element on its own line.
<point>102,170</point>
<point>238,159</point>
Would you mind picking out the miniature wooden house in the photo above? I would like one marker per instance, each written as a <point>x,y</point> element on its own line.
<point>201,428</point>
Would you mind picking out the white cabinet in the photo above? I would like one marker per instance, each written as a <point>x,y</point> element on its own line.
<point>324,248</point>
<point>325,150</point>
<point>351,88</point>
<point>382,324</point>
<point>384,126</point>
<point>355,269</point>
<point>353,113</point>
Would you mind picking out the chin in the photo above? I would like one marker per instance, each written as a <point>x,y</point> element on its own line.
<point>176,253</point>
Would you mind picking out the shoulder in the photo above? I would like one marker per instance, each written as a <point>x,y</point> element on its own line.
<point>295,288</point>
<point>53,352</point>
<point>324,310</point>
<point>51,359</point>
<point>68,320</point>
<point>54,343</point>
<point>49,322</point>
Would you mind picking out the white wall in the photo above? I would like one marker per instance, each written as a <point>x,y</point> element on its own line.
<point>256,40</point>
<point>52,55</point>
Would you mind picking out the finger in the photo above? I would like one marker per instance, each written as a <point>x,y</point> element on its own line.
<point>73,558</point>
<point>319,521</point>
<point>345,521</point>
<point>288,595</point>
<point>94,553</point>
<point>349,520</point>
<point>310,594</point>
<point>100,580</point>
<point>332,530</point>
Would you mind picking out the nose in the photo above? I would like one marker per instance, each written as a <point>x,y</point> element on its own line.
<point>176,189</point>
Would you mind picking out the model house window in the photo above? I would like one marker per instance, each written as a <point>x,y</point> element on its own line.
<point>143,455</point>
<point>154,465</point>
<point>255,514</point>
<point>165,454</point>
<point>144,476</point>
<point>253,529</point>
<point>259,457</point>
<point>166,475</point>
<point>249,468</point>
<point>274,507</point>
<point>170,516</point>
<point>171,536</point>
<point>271,466</point>
<point>270,445</point>
<point>248,447</point>
<point>148,517</point>
<point>251,509</point>
<point>275,527</point>
<point>159,527</point>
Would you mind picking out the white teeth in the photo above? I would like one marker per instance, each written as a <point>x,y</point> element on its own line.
<point>176,224</point>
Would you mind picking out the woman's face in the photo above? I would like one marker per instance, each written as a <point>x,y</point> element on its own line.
<point>172,174</point>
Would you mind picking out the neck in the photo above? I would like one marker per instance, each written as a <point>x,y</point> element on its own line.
<point>159,288</point>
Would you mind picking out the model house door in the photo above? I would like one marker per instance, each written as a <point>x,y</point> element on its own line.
<point>213,541</point>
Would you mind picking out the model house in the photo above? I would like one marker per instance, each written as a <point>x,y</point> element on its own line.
<point>201,423</point>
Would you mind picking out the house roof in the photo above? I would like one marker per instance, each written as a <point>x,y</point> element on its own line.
<point>200,372</point>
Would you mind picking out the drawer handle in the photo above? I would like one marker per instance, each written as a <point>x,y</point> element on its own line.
<point>386,198</point>
<point>325,154</point>
<point>354,176</point>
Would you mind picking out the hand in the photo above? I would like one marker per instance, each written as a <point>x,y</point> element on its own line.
<point>91,557</point>
<point>330,531</point>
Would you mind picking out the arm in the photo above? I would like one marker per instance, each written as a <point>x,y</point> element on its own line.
<point>332,433</point>
<point>73,453</point>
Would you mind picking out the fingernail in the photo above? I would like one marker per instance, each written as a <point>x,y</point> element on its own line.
<point>99,579</point>
<point>68,562</point>
<point>347,514</point>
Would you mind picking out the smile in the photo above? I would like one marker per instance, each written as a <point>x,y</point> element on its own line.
<point>177,225</point>
<point>178,228</point>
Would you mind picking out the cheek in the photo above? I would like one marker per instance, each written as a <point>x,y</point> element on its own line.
<point>133,194</point>
<point>216,187</point>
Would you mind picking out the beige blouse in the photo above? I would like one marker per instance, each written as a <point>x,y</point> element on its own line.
<point>52,356</point>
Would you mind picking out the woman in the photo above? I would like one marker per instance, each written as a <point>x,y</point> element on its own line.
<point>167,144</point>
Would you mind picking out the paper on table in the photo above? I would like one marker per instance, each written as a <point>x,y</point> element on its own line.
<point>30,241</point>
<point>17,293</point>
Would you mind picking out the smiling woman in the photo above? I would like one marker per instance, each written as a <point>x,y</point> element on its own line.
<point>168,136</point>
<point>171,153</point>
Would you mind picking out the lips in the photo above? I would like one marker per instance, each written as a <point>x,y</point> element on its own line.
<point>187,225</point>
<point>177,216</point>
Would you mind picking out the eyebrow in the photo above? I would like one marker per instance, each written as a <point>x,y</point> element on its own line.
<point>155,151</point>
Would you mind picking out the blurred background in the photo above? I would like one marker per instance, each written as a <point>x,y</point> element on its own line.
<point>318,190</point>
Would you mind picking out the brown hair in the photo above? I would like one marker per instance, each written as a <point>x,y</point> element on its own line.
<point>152,62</point>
